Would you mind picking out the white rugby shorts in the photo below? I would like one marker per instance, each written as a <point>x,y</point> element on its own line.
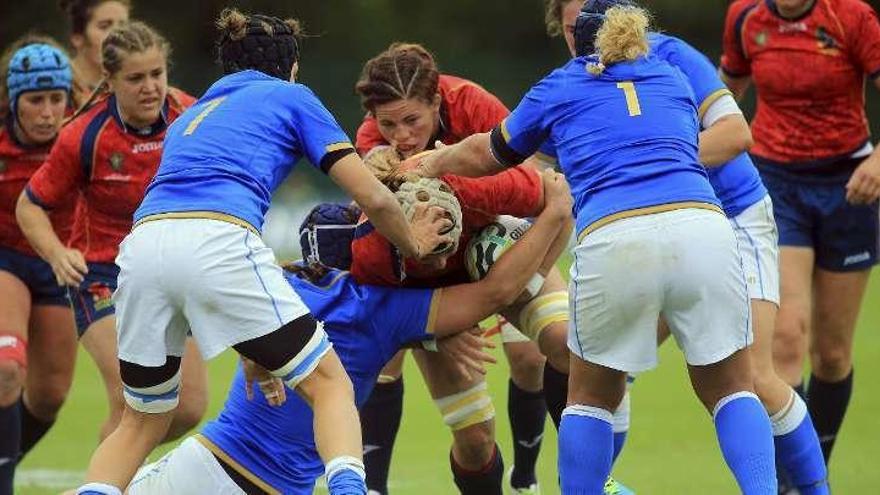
<point>758,240</point>
<point>189,469</point>
<point>211,277</point>
<point>681,264</point>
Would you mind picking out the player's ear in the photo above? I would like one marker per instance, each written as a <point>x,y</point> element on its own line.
<point>435,103</point>
<point>77,41</point>
<point>294,71</point>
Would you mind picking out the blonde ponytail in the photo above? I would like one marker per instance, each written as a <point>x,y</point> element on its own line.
<point>622,37</point>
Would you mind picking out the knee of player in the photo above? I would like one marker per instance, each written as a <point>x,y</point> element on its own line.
<point>527,362</point>
<point>47,401</point>
<point>792,322</point>
<point>476,443</point>
<point>831,363</point>
<point>189,412</point>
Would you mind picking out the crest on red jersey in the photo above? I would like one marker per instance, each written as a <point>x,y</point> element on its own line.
<point>761,38</point>
<point>116,160</point>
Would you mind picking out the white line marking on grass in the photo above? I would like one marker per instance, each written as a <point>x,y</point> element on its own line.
<point>49,478</point>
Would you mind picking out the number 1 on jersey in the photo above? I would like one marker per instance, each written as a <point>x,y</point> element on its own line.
<point>209,107</point>
<point>632,98</point>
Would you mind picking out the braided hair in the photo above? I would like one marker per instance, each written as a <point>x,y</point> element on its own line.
<point>403,71</point>
<point>264,43</point>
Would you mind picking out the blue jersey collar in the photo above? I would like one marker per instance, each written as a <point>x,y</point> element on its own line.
<point>149,131</point>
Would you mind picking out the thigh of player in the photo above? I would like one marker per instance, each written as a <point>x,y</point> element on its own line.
<point>616,294</point>
<point>241,292</point>
<point>706,303</point>
<point>189,469</point>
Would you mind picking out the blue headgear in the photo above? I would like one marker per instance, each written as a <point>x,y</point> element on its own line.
<point>326,233</point>
<point>589,20</point>
<point>37,67</point>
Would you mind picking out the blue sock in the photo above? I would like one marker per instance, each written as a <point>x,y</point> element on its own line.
<point>797,448</point>
<point>586,445</point>
<point>620,425</point>
<point>619,440</point>
<point>345,476</point>
<point>746,441</point>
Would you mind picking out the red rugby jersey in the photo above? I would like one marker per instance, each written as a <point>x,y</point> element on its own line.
<point>466,108</point>
<point>809,74</point>
<point>18,162</point>
<point>111,164</point>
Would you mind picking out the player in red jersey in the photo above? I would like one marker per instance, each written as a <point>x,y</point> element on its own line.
<point>410,107</point>
<point>109,154</point>
<point>37,339</point>
<point>89,22</point>
<point>808,60</point>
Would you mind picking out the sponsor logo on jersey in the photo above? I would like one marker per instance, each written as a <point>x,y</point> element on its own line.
<point>793,27</point>
<point>856,258</point>
<point>146,147</point>
<point>116,160</point>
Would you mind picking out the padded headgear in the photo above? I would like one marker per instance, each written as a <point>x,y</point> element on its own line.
<point>37,67</point>
<point>326,233</point>
<point>589,20</point>
<point>273,54</point>
<point>433,192</point>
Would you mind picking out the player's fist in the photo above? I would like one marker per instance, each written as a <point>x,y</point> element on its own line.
<point>557,194</point>
<point>864,185</point>
<point>68,265</point>
<point>270,386</point>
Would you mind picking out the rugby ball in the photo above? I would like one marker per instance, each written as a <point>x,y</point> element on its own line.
<point>487,246</point>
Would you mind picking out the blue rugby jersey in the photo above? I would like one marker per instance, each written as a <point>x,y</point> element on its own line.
<point>230,151</point>
<point>737,182</point>
<point>626,139</point>
<point>367,326</point>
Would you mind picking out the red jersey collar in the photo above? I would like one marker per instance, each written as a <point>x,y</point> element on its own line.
<point>771,4</point>
<point>152,130</point>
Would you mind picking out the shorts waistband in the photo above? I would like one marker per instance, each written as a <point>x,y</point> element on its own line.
<point>648,210</point>
<point>205,215</point>
<point>246,481</point>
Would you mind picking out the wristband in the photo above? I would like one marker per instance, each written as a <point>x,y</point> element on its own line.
<point>535,284</point>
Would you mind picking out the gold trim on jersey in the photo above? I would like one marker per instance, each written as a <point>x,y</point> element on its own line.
<point>217,451</point>
<point>504,132</point>
<point>432,312</point>
<point>712,98</point>
<point>545,158</point>
<point>204,215</point>
<point>649,210</point>
<point>338,147</point>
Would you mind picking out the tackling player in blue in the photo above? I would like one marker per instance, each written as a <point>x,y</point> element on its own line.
<point>194,260</point>
<point>653,241</point>
<point>724,137</point>
<point>255,448</point>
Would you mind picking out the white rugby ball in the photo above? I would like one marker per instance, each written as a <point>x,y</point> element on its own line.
<point>487,246</point>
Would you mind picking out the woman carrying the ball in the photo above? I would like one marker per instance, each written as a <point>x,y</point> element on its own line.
<point>411,106</point>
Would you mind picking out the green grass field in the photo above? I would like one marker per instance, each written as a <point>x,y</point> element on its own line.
<point>671,447</point>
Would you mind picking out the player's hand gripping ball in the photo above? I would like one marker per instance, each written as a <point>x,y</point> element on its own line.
<point>485,248</point>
